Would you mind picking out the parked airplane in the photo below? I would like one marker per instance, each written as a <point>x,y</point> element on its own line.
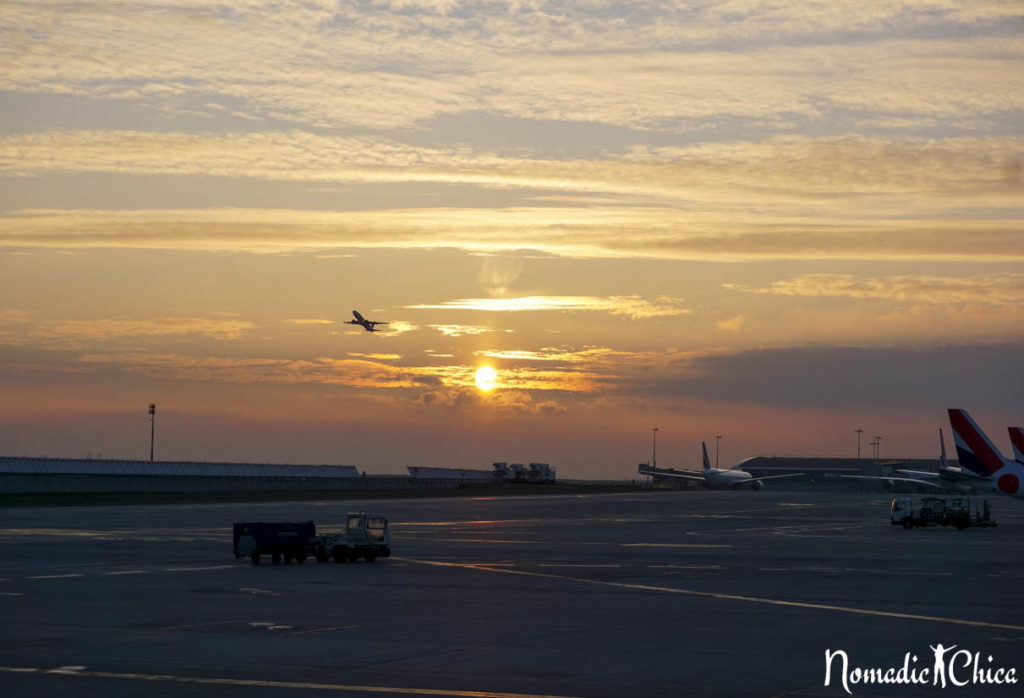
<point>947,478</point>
<point>1017,439</point>
<point>979,457</point>
<point>982,466</point>
<point>368,325</point>
<point>714,478</point>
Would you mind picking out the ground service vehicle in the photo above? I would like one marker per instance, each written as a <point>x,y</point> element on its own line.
<point>941,511</point>
<point>365,536</point>
<point>288,541</point>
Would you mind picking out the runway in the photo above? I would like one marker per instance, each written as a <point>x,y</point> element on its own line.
<point>631,594</point>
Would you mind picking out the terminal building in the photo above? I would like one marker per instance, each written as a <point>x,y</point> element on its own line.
<point>81,476</point>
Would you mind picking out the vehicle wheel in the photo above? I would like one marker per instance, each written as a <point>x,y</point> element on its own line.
<point>370,555</point>
<point>353,555</point>
<point>340,554</point>
<point>287,559</point>
<point>321,554</point>
<point>276,558</point>
<point>255,557</point>
<point>300,559</point>
<point>908,524</point>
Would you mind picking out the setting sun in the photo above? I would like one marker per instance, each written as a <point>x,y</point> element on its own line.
<point>486,378</point>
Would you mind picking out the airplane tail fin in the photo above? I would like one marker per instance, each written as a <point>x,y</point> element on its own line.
<point>973,447</point>
<point>942,451</point>
<point>1017,439</point>
<point>704,449</point>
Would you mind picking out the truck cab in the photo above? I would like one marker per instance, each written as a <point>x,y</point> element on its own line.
<point>899,510</point>
<point>365,536</point>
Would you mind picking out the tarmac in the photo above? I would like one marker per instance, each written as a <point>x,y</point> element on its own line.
<point>694,593</point>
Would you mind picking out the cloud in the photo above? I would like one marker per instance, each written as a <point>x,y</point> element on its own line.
<point>401,64</point>
<point>781,198</point>
<point>1003,289</point>
<point>783,169</point>
<point>362,371</point>
<point>505,400</point>
<point>632,306</point>
<point>731,324</point>
<point>875,378</point>
<point>309,321</point>
<point>27,328</point>
<point>462,330</point>
<point>498,273</point>
<point>569,356</point>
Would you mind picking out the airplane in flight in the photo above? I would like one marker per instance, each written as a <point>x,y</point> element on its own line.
<point>714,478</point>
<point>982,466</point>
<point>368,325</point>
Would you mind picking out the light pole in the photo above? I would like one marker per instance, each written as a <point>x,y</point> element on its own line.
<point>152,429</point>
<point>654,447</point>
<point>718,440</point>
<point>860,470</point>
<point>878,448</point>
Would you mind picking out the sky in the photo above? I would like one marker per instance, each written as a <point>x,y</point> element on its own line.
<point>773,223</point>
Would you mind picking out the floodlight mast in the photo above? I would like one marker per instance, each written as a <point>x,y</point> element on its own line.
<point>152,429</point>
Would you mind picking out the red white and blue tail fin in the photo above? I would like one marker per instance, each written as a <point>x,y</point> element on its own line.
<point>974,449</point>
<point>1017,439</point>
<point>704,449</point>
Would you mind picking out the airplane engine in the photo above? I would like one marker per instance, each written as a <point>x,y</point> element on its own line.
<point>758,484</point>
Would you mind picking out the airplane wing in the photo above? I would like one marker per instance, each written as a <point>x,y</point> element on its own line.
<point>683,475</point>
<point>949,474</point>
<point>773,477</point>
<point>929,483</point>
<point>922,473</point>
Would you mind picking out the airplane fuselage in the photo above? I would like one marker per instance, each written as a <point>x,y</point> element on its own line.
<point>720,479</point>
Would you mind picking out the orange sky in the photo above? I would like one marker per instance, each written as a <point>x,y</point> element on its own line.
<point>773,223</point>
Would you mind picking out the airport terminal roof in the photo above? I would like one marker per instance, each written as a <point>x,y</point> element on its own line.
<point>82,466</point>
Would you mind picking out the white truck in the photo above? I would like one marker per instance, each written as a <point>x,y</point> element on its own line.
<point>365,536</point>
<point>941,511</point>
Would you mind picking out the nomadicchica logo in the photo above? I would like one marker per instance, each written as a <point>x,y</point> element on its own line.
<point>944,667</point>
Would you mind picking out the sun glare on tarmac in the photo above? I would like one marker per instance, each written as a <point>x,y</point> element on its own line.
<point>486,378</point>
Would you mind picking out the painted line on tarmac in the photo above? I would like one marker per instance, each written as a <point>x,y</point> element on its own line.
<point>113,574</point>
<point>197,569</point>
<point>324,630</point>
<point>675,545</point>
<point>81,672</point>
<point>726,597</point>
<point>56,576</point>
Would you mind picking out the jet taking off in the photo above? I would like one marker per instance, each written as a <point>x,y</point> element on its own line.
<point>714,478</point>
<point>368,325</point>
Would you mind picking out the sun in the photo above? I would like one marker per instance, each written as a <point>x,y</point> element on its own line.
<point>486,378</point>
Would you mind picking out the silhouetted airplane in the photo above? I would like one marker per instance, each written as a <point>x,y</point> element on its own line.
<point>982,466</point>
<point>367,325</point>
<point>715,478</point>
